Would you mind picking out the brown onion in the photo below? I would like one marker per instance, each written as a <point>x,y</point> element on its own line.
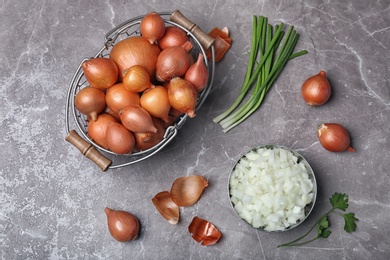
<point>174,36</point>
<point>152,27</point>
<point>136,79</point>
<point>123,226</point>
<point>185,191</point>
<point>135,50</point>
<point>167,208</point>
<point>146,140</point>
<point>155,101</point>
<point>97,129</point>
<point>118,97</point>
<point>108,111</point>
<point>119,139</point>
<point>90,101</point>
<point>198,74</point>
<point>100,72</point>
<point>204,232</point>
<point>334,137</point>
<point>182,96</point>
<point>137,119</point>
<point>173,62</point>
<point>316,90</point>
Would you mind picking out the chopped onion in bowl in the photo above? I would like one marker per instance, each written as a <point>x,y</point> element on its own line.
<point>271,188</point>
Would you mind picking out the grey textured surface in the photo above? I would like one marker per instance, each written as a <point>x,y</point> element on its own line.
<point>52,199</point>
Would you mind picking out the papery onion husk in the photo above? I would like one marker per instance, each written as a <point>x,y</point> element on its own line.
<point>97,130</point>
<point>119,139</point>
<point>172,62</point>
<point>198,74</point>
<point>118,97</point>
<point>137,119</point>
<point>155,100</point>
<point>135,50</point>
<point>167,208</point>
<point>123,226</point>
<point>90,101</point>
<point>334,137</point>
<point>152,27</point>
<point>204,232</point>
<point>146,140</point>
<point>100,72</point>
<point>185,191</point>
<point>174,36</point>
<point>182,96</point>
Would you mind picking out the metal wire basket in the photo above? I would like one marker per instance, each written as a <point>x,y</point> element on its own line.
<point>102,157</point>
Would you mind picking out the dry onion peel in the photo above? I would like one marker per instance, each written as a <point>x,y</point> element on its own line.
<point>167,208</point>
<point>204,232</point>
<point>185,191</point>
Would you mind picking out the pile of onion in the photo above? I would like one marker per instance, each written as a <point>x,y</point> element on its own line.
<point>145,84</point>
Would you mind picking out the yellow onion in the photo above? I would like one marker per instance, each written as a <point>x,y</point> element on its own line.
<point>334,137</point>
<point>122,225</point>
<point>204,232</point>
<point>182,96</point>
<point>136,79</point>
<point>90,101</point>
<point>97,129</point>
<point>135,50</point>
<point>185,191</point>
<point>316,90</point>
<point>118,97</point>
<point>100,72</point>
<point>152,27</point>
<point>137,119</point>
<point>174,36</point>
<point>198,74</point>
<point>119,139</point>
<point>167,208</point>
<point>155,101</point>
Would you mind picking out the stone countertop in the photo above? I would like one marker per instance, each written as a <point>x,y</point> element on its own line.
<point>53,199</point>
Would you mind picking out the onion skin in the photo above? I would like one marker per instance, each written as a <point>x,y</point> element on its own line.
<point>316,90</point>
<point>123,226</point>
<point>174,36</point>
<point>135,50</point>
<point>185,191</point>
<point>137,119</point>
<point>167,208</point>
<point>182,96</point>
<point>203,231</point>
<point>118,97</point>
<point>97,129</point>
<point>334,137</point>
<point>136,79</point>
<point>152,27</point>
<point>119,139</point>
<point>198,74</point>
<point>90,101</point>
<point>100,72</point>
<point>146,140</point>
<point>172,62</point>
<point>155,100</point>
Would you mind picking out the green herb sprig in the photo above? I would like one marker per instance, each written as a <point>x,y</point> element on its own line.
<point>339,201</point>
<point>270,51</point>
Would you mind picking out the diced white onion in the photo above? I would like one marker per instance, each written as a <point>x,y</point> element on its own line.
<point>269,188</point>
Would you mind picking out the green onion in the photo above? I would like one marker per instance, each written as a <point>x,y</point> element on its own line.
<point>270,51</point>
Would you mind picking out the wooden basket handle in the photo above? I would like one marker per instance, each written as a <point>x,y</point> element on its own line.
<point>88,150</point>
<point>204,39</point>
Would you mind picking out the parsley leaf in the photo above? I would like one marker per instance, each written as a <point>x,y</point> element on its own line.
<point>339,201</point>
<point>350,224</point>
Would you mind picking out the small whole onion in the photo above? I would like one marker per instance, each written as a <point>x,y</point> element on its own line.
<point>100,72</point>
<point>123,226</point>
<point>90,101</point>
<point>119,139</point>
<point>334,137</point>
<point>182,96</point>
<point>97,129</point>
<point>316,90</point>
<point>198,74</point>
<point>152,27</point>
<point>155,100</point>
<point>137,119</point>
<point>136,79</point>
<point>146,140</point>
<point>174,36</point>
<point>118,97</point>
